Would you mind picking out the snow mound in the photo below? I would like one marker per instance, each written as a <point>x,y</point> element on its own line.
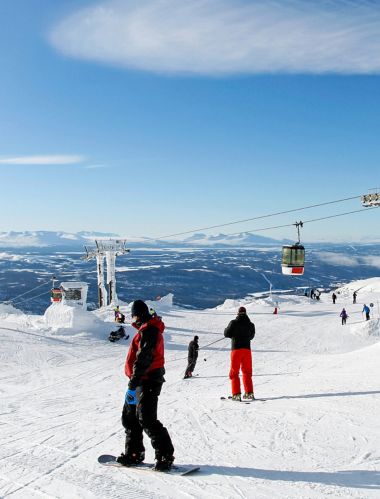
<point>371,285</point>
<point>230,304</point>
<point>367,329</point>
<point>163,304</point>
<point>8,309</point>
<point>63,319</point>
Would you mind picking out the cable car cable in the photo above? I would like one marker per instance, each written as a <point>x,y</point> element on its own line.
<point>304,222</point>
<point>26,292</point>
<point>259,217</point>
<point>31,298</point>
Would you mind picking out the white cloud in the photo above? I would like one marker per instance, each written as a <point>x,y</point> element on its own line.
<point>43,160</point>
<point>373,261</point>
<point>9,256</point>
<point>226,36</point>
<point>338,259</point>
<point>347,260</point>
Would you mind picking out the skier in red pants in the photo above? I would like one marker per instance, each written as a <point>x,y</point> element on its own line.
<point>241,331</point>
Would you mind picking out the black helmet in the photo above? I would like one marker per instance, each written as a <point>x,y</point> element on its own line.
<point>139,309</point>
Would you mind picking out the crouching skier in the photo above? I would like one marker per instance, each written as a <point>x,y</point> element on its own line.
<point>144,367</point>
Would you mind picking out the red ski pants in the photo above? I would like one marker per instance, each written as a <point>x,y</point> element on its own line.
<point>241,359</point>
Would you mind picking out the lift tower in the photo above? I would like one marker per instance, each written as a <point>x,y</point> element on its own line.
<point>106,250</point>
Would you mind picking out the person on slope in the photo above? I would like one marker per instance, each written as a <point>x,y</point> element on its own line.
<point>152,312</point>
<point>366,310</point>
<point>354,297</point>
<point>344,316</point>
<point>192,357</point>
<point>119,316</point>
<point>241,331</point>
<point>144,367</point>
<point>333,296</point>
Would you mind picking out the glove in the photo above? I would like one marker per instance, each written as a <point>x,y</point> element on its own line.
<point>130,397</point>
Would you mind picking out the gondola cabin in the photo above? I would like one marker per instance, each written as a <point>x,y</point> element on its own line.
<point>293,259</point>
<point>56,295</point>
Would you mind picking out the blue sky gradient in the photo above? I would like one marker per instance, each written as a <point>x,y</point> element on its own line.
<point>162,151</point>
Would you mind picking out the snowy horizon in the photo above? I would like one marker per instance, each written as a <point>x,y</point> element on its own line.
<point>47,238</point>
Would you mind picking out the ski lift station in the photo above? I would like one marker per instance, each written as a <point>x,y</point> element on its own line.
<point>72,293</point>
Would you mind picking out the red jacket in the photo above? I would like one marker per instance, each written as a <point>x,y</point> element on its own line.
<point>145,359</point>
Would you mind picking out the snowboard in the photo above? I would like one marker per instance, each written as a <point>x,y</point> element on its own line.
<point>109,460</point>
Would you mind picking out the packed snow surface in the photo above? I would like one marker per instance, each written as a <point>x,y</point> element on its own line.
<point>314,434</point>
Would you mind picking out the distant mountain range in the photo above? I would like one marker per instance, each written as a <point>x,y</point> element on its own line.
<point>47,239</point>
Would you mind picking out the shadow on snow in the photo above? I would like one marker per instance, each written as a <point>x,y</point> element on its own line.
<point>363,479</point>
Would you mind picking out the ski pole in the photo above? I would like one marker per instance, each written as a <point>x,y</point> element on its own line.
<point>209,344</point>
<point>212,343</point>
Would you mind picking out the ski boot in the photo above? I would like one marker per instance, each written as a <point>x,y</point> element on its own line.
<point>131,459</point>
<point>236,397</point>
<point>249,396</point>
<point>164,463</point>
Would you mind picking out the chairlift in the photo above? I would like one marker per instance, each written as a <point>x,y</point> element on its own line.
<point>293,256</point>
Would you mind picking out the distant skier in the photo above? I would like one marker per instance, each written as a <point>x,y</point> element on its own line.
<point>144,367</point>
<point>344,316</point>
<point>334,297</point>
<point>366,310</point>
<point>192,357</point>
<point>241,331</point>
<point>354,297</point>
<point>152,312</point>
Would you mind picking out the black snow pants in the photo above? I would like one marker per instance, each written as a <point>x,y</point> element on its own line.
<point>191,361</point>
<point>143,417</point>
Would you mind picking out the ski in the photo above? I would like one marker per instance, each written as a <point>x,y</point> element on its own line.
<point>242,401</point>
<point>181,469</point>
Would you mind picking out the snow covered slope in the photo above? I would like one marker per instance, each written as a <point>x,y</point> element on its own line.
<point>316,435</point>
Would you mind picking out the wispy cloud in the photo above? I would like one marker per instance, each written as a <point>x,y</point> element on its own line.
<point>339,259</point>
<point>348,260</point>
<point>373,261</point>
<point>43,160</point>
<point>227,36</point>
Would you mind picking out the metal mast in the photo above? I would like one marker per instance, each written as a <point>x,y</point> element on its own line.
<point>107,250</point>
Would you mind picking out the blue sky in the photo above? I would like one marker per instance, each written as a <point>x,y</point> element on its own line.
<point>153,117</point>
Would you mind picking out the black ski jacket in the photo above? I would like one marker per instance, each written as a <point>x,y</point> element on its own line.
<point>193,350</point>
<point>241,331</point>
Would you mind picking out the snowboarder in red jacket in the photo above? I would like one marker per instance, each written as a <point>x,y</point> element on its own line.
<point>241,331</point>
<point>144,367</point>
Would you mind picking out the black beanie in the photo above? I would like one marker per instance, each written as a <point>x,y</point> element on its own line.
<point>139,309</point>
<point>196,338</point>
